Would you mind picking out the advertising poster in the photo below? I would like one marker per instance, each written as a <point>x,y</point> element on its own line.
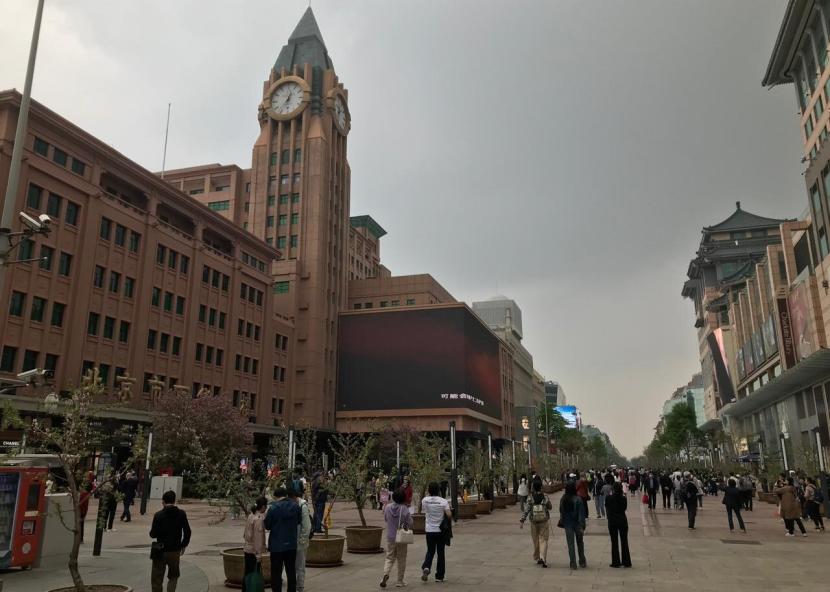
<point>749,361</point>
<point>801,320</point>
<point>724,385</point>
<point>758,348</point>
<point>787,342</point>
<point>572,415</point>
<point>418,359</point>
<point>739,362</point>
<point>770,342</point>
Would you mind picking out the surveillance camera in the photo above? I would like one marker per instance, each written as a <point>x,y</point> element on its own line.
<point>30,375</point>
<point>30,222</point>
<point>44,220</point>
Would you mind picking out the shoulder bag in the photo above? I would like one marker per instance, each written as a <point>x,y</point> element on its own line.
<point>156,550</point>
<point>403,536</point>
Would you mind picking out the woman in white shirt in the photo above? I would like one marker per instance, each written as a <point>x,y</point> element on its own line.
<point>254,537</point>
<point>522,492</point>
<point>435,508</point>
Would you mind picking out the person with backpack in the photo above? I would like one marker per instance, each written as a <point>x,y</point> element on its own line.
<point>814,497</point>
<point>572,519</point>
<point>690,491</point>
<point>538,509</point>
<point>733,501</point>
<point>615,506</point>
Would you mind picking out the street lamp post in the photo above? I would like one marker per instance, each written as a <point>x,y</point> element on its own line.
<point>453,472</point>
<point>145,489</point>
<point>17,152</point>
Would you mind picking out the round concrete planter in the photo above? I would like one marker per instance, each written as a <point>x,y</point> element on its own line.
<point>233,560</point>
<point>325,551</point>
<point>484,507</point>
<point>548,488</point>
<point>419,523</point>
<point>500,502</point>
<point>91,588</point>
<point>467,510</point>
<point>364,539</point>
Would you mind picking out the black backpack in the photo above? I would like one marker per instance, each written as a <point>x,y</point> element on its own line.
<point>818,496</point>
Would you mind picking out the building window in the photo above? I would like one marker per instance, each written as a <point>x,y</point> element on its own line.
<point>115,281</point>
<point>173,259</point>
<point>53,205</point>
<point>46,256</point>
<point>219,206</point>
<point>33,196</point>
<point>124,332</point>
<point>384,303</point>
<point>283,220</point>
<point>57,314</point>
<point>105,229</point>
<point>109,327</point>
<point>205,274</point>
<point>30,360</point>
<point>179,305</point>
<point>281,287</point>
<point>357,306</point>
<point>209,354</point>
<point>78,167</point>
<point>214,278</point>
<point>26,250</point>
<point>38,308</point>
<point>269,221</point>
<point>177,345</point>
<point>285,156</point>
<point>410,301</point>
<point>273,158</point>
<point>65,264</point>
<point>298,155</point>
<point>295,198</point>
<point>151,339</point>
<point>296,178</point>
<point>212,317</point>
<point>161,254</point>
<point>59,156</point>
<point>51,363</point>
<point>283,179</point>
<point>41,147</point>
<point>226,279</point>
<point>71,214</point>
<point>284,199</point>
<point>281,241</point>
<point>168,301</point>
<point>92,324</point>
<point>120,235</point>
<point>220,357</point>
<point>295,218</point>
<point>164,343</point>
<point>395,303</point>
<point>16,304</point>
<point>98,277</point>
<point>272,199</point>
<point>8,359</point>
<point>202,313</point>
<point>222,317</point>
<point>135,241</point>
<point>184,266</point>
<point>293,242</point>
<point>155,297</point>
<point>129,287</point>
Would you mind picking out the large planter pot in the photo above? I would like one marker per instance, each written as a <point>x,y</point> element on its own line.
<point>325,551</point>
<point>233,560</point>
<point>364,539</point>
<point>512,498</point>
<point>484,506</point>
<point>548,488</point>
<point>467,510</point>
<point>92,588</point>
<point>500,502</point>
<point>419,523</point>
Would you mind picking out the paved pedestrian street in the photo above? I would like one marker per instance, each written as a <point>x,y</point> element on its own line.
<point>493,553</point>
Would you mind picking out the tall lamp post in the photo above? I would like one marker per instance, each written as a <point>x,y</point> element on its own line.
<point>453,472</point>
<point>17,152</point>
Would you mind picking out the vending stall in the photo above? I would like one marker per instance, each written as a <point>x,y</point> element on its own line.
<point>22,514</point>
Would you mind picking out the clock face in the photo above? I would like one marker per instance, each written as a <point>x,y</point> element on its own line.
<point>340,112</point>
<point>287,98</point>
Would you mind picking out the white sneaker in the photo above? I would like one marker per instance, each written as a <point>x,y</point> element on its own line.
<point>400,585</point>
<point>804,534</point>
<point>424,574</point>
<point>789,535</point>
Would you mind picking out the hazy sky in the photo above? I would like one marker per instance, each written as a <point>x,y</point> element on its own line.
<point>562,153</point>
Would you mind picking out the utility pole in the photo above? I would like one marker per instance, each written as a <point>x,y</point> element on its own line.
<point>10,200</point>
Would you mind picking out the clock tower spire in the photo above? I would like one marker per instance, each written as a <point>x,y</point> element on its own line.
<point>299,202</point>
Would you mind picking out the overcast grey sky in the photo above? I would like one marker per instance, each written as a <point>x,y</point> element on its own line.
<point>562,153</point>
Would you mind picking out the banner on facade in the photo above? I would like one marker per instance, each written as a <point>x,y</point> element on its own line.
<point>787,345</point>
<point>768,331</point>
<point>726,391</point>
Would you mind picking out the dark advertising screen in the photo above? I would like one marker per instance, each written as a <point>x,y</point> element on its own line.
<point>418,359</point>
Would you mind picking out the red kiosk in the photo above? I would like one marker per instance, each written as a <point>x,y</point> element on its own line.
<point>22,507</point>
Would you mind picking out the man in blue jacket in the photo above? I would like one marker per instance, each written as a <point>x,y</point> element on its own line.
<point>282,520</point>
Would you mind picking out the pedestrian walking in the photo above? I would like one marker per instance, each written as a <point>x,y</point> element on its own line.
<point>254,537</point>
<point>319,496</point>
<point>615,506</point>
<point>814,497</point>
<point>572,518</point>
<point>172,533</point>
<point>303,533</point>
<point>690,491</point>
<point>108,489</point>
<point>435,509</point>
<point>745,489</point>
<point>129,486</point>
<point>397,516</point>
<point>281,520</point>
<point>582,491</point>
<point>666,487</point>
<point>599,495</point>
<point>522,492</point>
<point>790,506</point>
<point>538,509</point>
<point>733,500</point>
<point>652,484</point>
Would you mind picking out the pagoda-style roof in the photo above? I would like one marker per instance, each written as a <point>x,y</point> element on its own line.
<point>785,50</point>
<point>743,220</point>
<point>369,223</point>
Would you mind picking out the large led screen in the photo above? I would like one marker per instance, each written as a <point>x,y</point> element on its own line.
<point>571,414</point>
<point>418,359</point>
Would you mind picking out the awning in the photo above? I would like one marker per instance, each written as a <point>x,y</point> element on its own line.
<point>806,373</point>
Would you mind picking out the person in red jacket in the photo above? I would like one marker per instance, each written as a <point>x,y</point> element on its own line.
<point>86,488</point>
<point>407,491</point>
<point>582,491</point>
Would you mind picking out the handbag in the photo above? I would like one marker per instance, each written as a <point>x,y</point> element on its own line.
<point>156,550</point>
<point>645,498</point>
<point>254,582</point>
<point>403,536</point>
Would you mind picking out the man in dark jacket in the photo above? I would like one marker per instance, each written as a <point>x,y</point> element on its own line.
<point>171,529</point>
<point>691,491</point>
<point>128,487</point>
<point>319,496</point>
<point>652,484</point>
<point>282,520</point>
<point>666,487</point>
<point>733,502</point>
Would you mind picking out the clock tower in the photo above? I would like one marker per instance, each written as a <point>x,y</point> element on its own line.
<point>299,202</point>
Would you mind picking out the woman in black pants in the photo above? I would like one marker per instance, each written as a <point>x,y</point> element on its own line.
<point>615,506</point>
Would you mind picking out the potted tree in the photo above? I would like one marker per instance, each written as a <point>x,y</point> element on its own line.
<point>72,440</point>
<point>423,453</point>
<point>474,467</point>
<point>351,453</point>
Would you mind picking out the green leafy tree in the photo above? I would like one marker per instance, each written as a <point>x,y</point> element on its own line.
<point>351,454</point>
<point>550,424</point>
<point>571,441</point>
<point>597,451</point>
<point>426,455</point>
<point>680,431</point>
<point>474,466</point>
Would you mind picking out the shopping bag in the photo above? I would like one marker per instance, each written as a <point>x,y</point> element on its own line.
<point>254,582</point>
<point>645,498</point>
